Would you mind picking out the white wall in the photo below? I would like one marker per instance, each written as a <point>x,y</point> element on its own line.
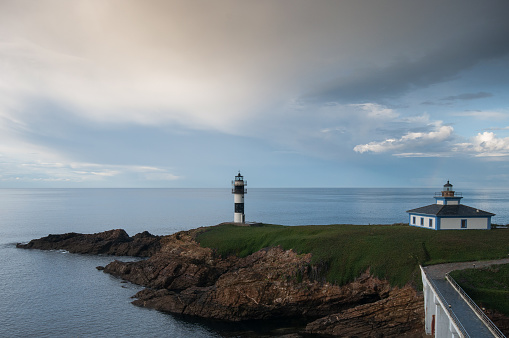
<point>472,223</point>
<point>425,221</point>
<point>238,198</point>
<point>448,202</point>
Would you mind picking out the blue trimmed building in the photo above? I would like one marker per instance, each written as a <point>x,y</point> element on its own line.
<point>449,214</point>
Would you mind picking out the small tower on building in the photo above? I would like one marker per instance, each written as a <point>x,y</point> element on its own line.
<point>238,191</point>
<point>448,196</point>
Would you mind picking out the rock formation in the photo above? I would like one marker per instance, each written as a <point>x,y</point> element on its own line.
<point>181,277</point>
<point>114,242</point>
<point>400,314</point>
<point>273,283</point>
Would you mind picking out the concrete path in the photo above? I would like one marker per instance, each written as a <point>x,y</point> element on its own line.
<point>470,321</point>
<point>438,271</point>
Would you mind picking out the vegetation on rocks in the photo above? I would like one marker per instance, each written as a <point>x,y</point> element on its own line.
<point>391,252</point>
<point>273,272</point>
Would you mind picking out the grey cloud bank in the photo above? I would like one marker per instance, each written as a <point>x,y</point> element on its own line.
<point>193,90</point>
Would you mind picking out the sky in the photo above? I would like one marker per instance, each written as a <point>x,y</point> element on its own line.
<point>291,93</point>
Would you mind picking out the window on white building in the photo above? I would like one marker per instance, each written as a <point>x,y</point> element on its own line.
<point>430,223</point>
<point>463,223</point>
<point>422,220</point>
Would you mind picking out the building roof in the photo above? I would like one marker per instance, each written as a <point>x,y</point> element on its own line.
<point>459,210</point>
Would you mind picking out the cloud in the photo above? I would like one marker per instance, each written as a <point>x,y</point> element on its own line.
<point>411,140</point>
<point>483,115</point>
<point>79,172</point>
<point>327,130</point>
<point>485,144</point>
<point>432,103</point>
<point>334,130</point>
<point>109,95</point>
<point>449,100</point>
<point>25,162</point>
<point>79,78</point>
<point>429,154</point>
<point>196,64</point>
<point>377,111</point>
<point>498,128</point>
<point>453,50</point>
<point>467,96</point>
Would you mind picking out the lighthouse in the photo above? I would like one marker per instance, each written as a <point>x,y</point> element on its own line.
<point>448,196</point>
<point>449,214</point>
<point>238,192</point>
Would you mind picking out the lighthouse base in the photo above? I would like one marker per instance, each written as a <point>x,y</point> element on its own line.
<point>239,218</point>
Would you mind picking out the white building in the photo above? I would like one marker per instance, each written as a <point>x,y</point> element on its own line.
<point>449,214</point>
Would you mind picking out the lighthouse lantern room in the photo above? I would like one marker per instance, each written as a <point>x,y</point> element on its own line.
<point>238,191</point>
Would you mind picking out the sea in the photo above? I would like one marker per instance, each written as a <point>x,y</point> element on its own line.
<point>58,294</point>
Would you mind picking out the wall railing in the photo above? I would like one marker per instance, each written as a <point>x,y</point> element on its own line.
<point>480,313</point>
<point>456,194</point>
<point>446,306</point>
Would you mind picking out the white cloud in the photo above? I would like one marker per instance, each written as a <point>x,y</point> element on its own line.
<point>21,161</point>
<point>377,111</point>
<point>99,91</point>
<point>485,144</point>
<point>410,140</point>
<point>418,119</point>
<point>341,130</point>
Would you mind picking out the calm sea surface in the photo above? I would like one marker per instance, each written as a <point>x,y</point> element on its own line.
<point>57,294</point>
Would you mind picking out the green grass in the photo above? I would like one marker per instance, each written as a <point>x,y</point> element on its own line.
<point>391,252</point>
<point>488,287</point>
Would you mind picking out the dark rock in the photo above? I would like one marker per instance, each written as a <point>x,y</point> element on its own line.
<point>272,284</point>
<point>400,314</point>
<point>113,242</point>
<point>184,278</point>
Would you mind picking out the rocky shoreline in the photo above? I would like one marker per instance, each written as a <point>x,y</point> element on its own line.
<point>181,277</point>
<point>113,242</point>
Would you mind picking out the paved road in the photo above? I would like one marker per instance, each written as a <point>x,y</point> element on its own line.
<point>438,271</point>
<point>472,324</point>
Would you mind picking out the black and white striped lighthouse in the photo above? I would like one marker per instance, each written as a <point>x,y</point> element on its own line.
<point>238,192</point>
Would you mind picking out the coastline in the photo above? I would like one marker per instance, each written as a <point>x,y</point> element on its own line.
<point>274,283</point>
<point>271,284</point>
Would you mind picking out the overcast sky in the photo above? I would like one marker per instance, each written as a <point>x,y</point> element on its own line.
<point>292,93</point>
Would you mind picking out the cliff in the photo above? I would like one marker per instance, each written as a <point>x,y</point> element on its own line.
<point>181,277</point>
<point>185,278</point>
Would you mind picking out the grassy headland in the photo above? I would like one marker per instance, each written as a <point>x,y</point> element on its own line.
<point>391,252</point>
<point>488,287</point>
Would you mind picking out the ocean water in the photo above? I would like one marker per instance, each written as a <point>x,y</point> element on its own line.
<point>57,294</point>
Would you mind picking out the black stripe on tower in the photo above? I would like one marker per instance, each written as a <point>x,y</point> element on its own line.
<point>239,208</point>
